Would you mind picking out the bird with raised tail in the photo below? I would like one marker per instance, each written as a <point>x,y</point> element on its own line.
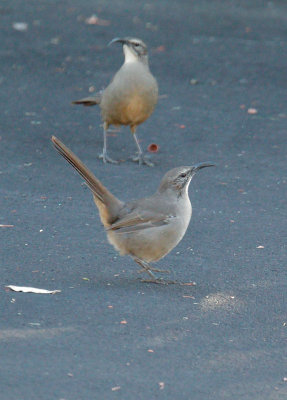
<point>146,229</point>
<point>131,96</point>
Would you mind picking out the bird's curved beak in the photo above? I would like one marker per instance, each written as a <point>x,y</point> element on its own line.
<point>118,40</point>
<point>197,167</point>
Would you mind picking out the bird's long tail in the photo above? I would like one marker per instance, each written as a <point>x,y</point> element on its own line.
<point>90,101</point>
<point>106,202</point>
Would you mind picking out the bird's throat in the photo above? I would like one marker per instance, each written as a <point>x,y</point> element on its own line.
<point>129,55</point>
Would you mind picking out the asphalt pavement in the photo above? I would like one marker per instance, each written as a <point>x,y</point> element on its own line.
<point>221,69</point>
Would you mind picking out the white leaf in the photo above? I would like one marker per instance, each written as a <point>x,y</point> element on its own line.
<point>31,290</point>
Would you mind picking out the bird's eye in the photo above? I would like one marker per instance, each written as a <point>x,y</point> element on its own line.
<point>136,44</point>
<point>183,175</point>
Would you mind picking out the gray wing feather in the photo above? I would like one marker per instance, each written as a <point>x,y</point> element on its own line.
<point>135,222</point>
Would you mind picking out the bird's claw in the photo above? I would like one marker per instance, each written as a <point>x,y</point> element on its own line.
<point>164,271</point>
<point>140,159</point>
<point>107,159</point>
<point>159,281</point>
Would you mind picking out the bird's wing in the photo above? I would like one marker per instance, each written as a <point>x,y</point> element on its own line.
<point>136,221</point>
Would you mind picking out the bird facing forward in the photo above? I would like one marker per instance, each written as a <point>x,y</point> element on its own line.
<point>131,96</point>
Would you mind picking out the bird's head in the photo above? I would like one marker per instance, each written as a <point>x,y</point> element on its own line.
<point>178,179</point>
<point>134,49</point>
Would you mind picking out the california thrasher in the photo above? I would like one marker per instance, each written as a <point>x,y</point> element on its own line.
<point>131,96</point>
<point>146,229</point>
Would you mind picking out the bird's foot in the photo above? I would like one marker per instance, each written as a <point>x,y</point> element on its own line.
<point>159,281</point>
<point>168,282</point>
<point>107,159</point>
<point>140,159</point>
<point>164,271</point>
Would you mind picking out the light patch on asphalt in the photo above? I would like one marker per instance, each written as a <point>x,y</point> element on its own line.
<point>220,300</point>
<point>8,334</point>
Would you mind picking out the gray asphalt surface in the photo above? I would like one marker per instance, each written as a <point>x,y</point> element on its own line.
<point>107,335</point>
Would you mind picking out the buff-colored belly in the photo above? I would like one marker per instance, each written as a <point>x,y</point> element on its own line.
<point>148,244</point>
<point>131,110</point>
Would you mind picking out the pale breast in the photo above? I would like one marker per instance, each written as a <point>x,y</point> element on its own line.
<point>131,97</point>
<point>153,243</point>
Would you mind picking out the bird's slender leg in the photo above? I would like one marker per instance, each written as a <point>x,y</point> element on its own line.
<point>140,157</point>
<point>164,271</point>
<point>147,269</point>
<point>104,154</point>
